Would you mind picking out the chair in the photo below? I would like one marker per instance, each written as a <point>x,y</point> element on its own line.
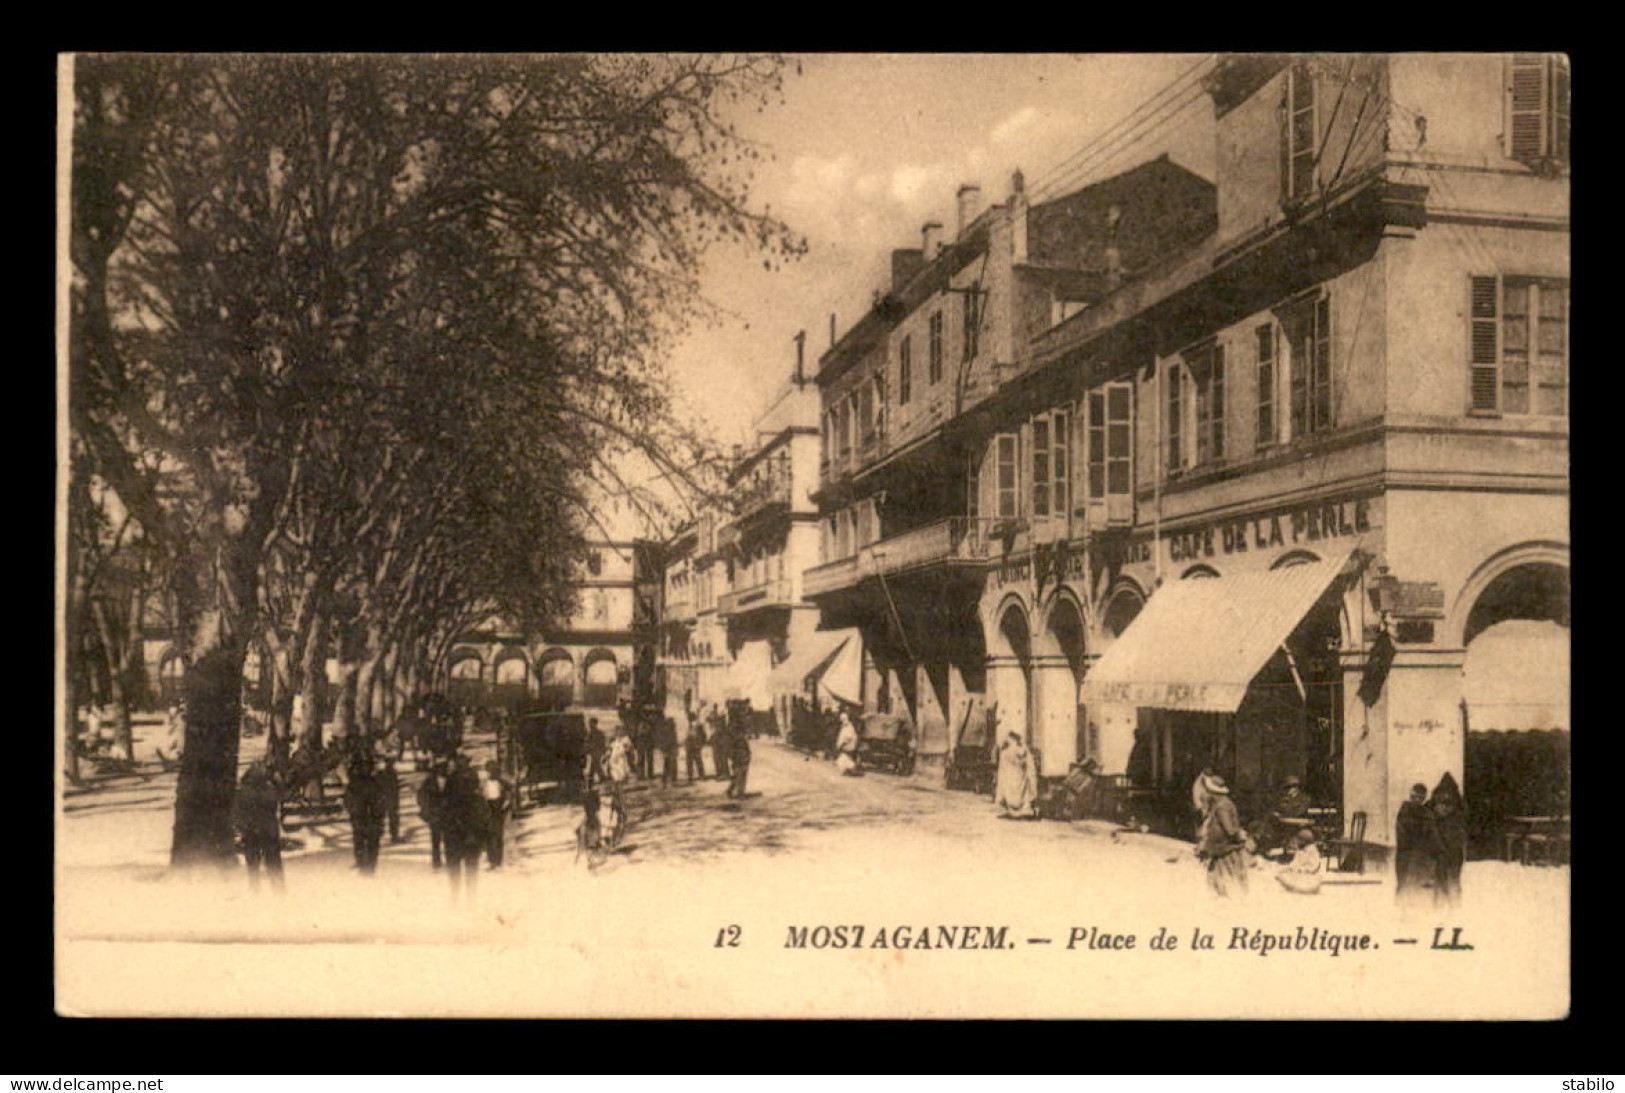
<point>1350,852</point>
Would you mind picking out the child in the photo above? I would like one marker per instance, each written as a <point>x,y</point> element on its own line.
<point>1302,874</point>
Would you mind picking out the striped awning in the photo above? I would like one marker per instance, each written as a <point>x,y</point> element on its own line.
<point>1199,642</point>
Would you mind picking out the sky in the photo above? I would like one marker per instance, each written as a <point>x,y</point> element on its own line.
<point>867,147</point>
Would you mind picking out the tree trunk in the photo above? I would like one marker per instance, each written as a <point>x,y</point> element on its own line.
<point>312,683</point>
<point>117,657</point>
<point>349,671</point>
<point>213,688</point>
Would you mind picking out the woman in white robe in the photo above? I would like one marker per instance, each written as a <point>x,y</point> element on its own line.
<point>846,746</point>
<point>1016,790</point>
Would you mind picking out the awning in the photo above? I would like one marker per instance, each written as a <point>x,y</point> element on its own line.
<point>1199,642</point>
<point>843,679</point>
<point>748,674</point>
<point>810,657</point>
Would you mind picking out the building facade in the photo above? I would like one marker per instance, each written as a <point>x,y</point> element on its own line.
<point>1328,434</point>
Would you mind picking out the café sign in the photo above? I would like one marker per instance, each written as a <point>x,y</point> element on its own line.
<point>1272,531</point>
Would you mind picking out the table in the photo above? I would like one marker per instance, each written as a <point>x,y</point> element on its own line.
<point>1549,833</point>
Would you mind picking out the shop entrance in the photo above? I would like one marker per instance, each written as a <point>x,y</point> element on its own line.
<point>1515,707</point>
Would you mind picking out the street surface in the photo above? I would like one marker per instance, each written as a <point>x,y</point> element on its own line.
<point>553,933</point>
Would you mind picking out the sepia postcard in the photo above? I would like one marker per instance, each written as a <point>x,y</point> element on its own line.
<point>829,535</point>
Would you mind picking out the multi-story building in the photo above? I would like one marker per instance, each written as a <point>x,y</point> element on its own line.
<point>1260,504</point>
<point>734,609</point>
<point>599,656</point>
<point>913,498</point>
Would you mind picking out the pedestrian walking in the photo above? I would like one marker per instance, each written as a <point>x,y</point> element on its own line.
<point>1415,848</point>
<point>256,815</point>
<point>738,764</point>
<point>431,796</point>
<point>667,742</point>
<point>464,820</point>
<point>494,791</point>
<point>719,742</point>
<point>364,799</point>
<point>1225,844</point>
<point>389,786</point>
<point>621,759</point>
<point>694,749</point>
<point>1450,831</point>
<point>1016,789</point>
<point>846,746</point>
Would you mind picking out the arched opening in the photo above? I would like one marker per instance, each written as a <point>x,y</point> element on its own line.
<point>1011,674</point>
<point>171,673</point>
<point>1064,736</point>
<point>466,686</point>
<point>1515,702</point>
<point>556,677</point>
<point>512,686</point>
<point>1121,610</point>
<point>599,679</point>
<point>1198,572</point>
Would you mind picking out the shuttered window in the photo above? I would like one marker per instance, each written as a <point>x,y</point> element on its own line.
<point>905,369</point>
<point>973,323</point>
<point>1006,462</point>
<point>1307,326</point>
<point>1060,460</point>
<point>1110,480</point>
<point>1041,467</point>
<point>934,364</point>
<point>1264,432</point>
<point>1537,108</point>
<point>1518,346</point>
<point>1298,135</point>
<point>1207,373</point>
<point>1174,381</point>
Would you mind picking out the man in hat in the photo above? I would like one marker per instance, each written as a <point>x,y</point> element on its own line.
<point>1078,791</point>
<point>1289,816</point>
<point>430,797</point>
<point>1224,844</point>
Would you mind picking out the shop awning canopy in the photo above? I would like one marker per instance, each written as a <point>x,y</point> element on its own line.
<point>748,674</point>
<point>1199,642</point>
<point>808,659</point>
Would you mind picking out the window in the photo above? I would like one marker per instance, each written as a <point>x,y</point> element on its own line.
<point>1298,136</point>
<point>877,386</point>
<point>1006,459</point>
<point>1537,108</point>
<point>866,415</point>
<point>973,323</point>
<point>1264,435</point>
<point>1041,466</point>
<point>934,363</point>
<point>905,368</point>
<point>1207,371</point>
<point>1060,460</point>
<point>1518,346</point>
<point>1176,416</point>
<point>1307,326</point>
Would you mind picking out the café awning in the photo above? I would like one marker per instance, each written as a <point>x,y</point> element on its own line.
<point>1199,642</point>
<point>808,659</point>
<point>747,676</point>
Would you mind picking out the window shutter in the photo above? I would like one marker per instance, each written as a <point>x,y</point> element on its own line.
<point>1120,453</point>
<point>1286,139</point>
<point>1526,113</point>
<point>1560,108</point>
<point>1484,355</point>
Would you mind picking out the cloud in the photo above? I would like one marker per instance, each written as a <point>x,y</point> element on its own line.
<point>1014,127</point>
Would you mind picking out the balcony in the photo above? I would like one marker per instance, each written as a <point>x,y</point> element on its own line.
<point>956,540</point>
<point>774,592</point>
<point>772,490</point>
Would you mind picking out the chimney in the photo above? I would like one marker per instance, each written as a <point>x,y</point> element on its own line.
<point>1018,218</point>
<point>931,239</point>
<point>904,265</point>
<point>970,204</point>
<point>801,357</point>
<point>832,330</point>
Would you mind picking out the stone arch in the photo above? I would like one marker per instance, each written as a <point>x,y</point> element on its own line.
<point>556,677</point>
<point>1540,561</point>
<point>1295,557</point>
<point>1059,667</point>
<point>510,676</point>
<point>1123,602</point>
<point>466,663</point>
<point>1010,666</point>
<point>600,678</point>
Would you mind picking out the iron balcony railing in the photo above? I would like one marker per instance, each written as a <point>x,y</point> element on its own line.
<point>956,539</point>
<point>773,592</point>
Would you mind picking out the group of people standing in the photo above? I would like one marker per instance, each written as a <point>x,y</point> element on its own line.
<point>1430,845</point>
<point>464,808</point>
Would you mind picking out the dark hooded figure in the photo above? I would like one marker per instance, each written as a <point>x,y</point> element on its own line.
<point>465,820</point>
<point>1450,827</point>
<point>1415,844</point>
<point>256,816</point>
<point>364,797</point>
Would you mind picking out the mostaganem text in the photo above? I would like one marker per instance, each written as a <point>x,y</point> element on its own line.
<point>898,937</point>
